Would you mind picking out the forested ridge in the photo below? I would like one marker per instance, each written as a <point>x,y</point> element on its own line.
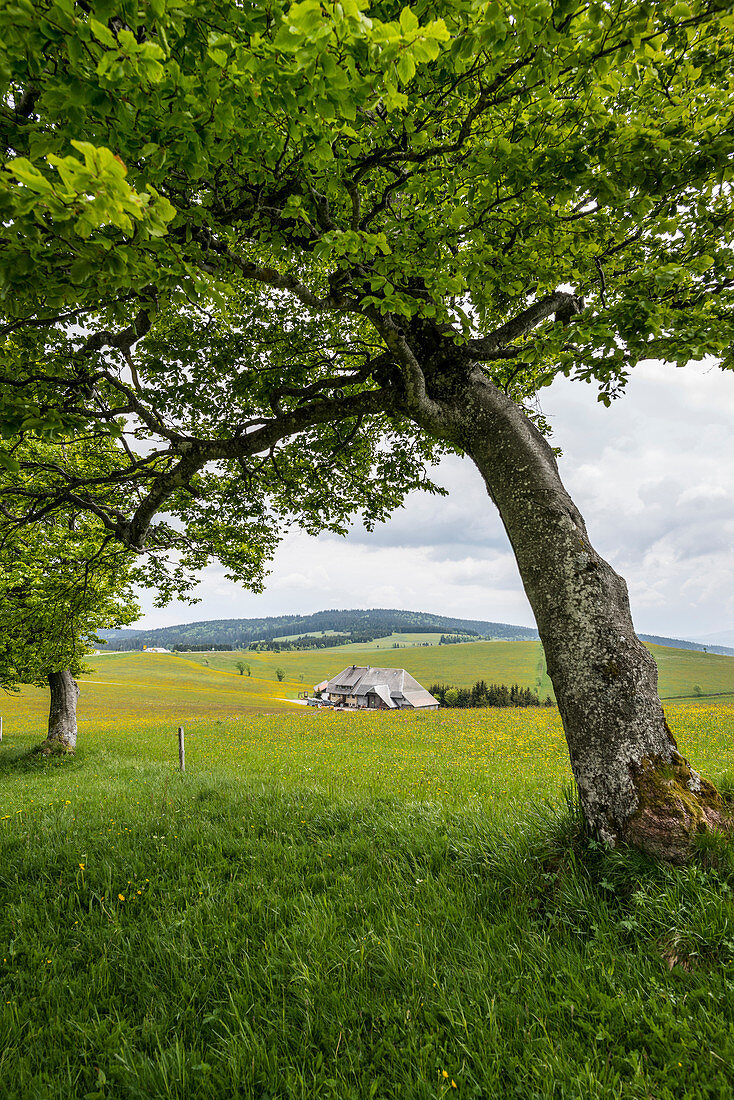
<point>354,625</point>
<point>357,625</point>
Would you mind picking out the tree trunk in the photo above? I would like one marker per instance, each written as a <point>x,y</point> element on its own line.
<point>634,785</point>
<point>62,713</point>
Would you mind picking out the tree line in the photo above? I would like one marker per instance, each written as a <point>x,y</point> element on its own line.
<point>208,647</point>
<point>349,625</point>
<point>482,694</point>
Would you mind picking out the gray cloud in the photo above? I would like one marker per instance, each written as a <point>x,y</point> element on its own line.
<point>465,519</point>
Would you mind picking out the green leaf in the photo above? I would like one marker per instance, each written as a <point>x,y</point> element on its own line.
<point>437,29</point>
<point>28,174</point>
<point>102,33</point>
<point>8,462</point>
<point>408,21</point>
<point>305,17</point>
<point>406,68</point>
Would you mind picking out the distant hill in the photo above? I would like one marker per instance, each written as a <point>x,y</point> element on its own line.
<point>719,638</point>
<point>677,643</point>
<point>352,626</point>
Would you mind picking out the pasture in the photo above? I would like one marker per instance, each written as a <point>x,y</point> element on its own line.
<point>342,905</point>
<point>150,688</point>
<point>680,670</point>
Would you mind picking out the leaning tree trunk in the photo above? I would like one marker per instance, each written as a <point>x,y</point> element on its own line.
<point>62,713</point>
<point>634,785</point>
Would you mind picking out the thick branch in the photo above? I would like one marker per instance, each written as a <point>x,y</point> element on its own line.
<point>123,341</point>
<point>261,273</point>
<point>413,377</point>
<point>332,382</point>
<point>563,305</point>
<point>197,453</point>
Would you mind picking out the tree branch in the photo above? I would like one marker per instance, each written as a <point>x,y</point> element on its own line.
<point>563,305</point>
<point>123,341</point>
<point>197,453</point>
<point>261,273</point>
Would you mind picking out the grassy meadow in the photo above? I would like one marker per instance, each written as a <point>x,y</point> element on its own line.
<point>680,670</point>
<point>462,664</point>
<point>343,905</point>
<point>150,688</point>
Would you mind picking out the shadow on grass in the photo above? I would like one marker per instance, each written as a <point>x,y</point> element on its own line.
<point>15,760</point>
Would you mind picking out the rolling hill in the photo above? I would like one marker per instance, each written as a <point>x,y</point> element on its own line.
<point>680,671</point>
<point>347,626</point>
<point>357,625</point>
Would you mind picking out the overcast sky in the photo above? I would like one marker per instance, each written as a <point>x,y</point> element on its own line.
<point>652,476</point>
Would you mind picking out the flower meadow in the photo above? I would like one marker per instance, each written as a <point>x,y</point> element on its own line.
<point>346,905</point>
<point>470,759</point>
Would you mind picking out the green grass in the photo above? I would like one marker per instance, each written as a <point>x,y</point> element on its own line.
<point>506,662</point>
<point>681,669</point>
<point>343,905</point>
<point>403,639</point>
<point>310,634</point>
<point>152,688</point>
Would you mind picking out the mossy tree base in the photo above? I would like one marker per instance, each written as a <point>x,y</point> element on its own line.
<point>53,747</point>
<point>675,806</point>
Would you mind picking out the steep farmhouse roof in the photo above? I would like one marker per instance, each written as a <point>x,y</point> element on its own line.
<point>420,698</point>
<point>394,686</point>
<point>383,691</point>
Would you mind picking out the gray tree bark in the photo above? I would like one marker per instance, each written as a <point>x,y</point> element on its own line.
<point>633,783</point>
<point>62,728</point>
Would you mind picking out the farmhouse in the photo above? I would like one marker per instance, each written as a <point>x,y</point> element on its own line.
<point>377,689</point>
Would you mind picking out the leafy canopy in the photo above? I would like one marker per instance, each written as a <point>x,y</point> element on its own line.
<point>60,582</point>
<point>241,230</point>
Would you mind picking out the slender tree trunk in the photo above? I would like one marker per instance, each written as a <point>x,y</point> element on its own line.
<point>633,783</point>
<point>62,713</point>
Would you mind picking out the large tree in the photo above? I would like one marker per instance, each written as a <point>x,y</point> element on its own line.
<point>271,237</point>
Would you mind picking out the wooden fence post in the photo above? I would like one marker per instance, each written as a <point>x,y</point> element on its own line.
<point>181,750</point>
<point>1,727</point>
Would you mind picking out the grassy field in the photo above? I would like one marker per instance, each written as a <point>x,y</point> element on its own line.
<point>155,687</point>
<point>309,634</point>
<point>401,641</point>
<point>496,662</point>
<point>506,662</point>
<point>343,905</point>
<point>336,905</point>
<point>178,689</point>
